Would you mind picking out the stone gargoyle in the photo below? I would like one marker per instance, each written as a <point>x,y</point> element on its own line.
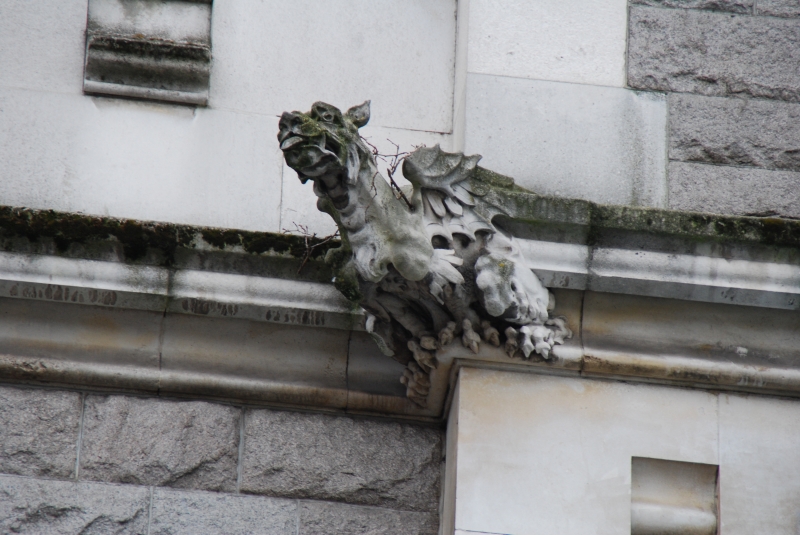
<point>425,262</point>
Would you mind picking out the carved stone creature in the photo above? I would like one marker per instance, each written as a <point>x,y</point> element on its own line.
<point>426,263</point>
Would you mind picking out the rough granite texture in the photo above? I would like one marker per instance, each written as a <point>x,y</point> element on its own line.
<point>715,54</point>
<point>187,444</point>
<point>39,432</point>
<point>778,8</point>
<point>731,6</point>
<point>208,513</point>
<point>338,458</point>
<point>37,507</point>
<point>733,190</point>
<point>734,131</point>
<point>325,518</point>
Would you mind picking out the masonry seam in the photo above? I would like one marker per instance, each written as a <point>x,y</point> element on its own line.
<point>150,511</point>
<point>280,205</point>
<point>667,142</point>
<point>241,452</point>
<point>712,164</point>
<point>163,325</point>
<point>347,365</point>
<point>297,518</point>
<point>80,436</point>
<point>754,13</point>
<point>580,332</point>
<point>627,43</point>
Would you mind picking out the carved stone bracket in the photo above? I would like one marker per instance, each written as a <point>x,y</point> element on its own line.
<point>427,263</point>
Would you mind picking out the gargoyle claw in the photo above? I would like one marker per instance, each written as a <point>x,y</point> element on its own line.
<point>447,334</point>
<point>470,338</point>
<point>511,342</point>
<point>490,334</point>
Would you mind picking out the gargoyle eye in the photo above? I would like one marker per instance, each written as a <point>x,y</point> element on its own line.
<point>327,116</point>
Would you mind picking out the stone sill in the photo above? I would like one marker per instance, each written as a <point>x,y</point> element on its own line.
<point>243,316</point>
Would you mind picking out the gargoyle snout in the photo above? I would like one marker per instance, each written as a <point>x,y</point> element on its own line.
<point>290,124</point>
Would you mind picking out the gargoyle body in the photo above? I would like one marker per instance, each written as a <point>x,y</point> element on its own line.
<point>428,266</point>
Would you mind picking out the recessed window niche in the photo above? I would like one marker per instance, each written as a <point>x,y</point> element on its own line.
<point>673,498</point>
<point>153,49</point>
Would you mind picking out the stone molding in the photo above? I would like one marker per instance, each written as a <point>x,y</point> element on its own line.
<point>159,51</point>
<point>662,305</point>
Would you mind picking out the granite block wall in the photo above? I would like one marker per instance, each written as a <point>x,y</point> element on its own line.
<point>729,68</point>
<point>78,462</point>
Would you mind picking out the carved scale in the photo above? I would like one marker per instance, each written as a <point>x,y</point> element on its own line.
<point>429,267</point>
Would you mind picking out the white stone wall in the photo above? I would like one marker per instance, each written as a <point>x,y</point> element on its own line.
<point>546,101</point>
<point>219,165</point>
<point>536,87</point>
<point>530,454</point>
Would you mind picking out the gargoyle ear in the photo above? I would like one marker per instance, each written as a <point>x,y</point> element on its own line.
<point>359,114</point>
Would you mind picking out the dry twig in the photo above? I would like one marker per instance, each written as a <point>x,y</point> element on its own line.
<point>393,161</point>
<point>307,238</point>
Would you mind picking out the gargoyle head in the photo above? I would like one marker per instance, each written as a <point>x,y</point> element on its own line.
<point>316,144</point>
<point>324,146</point>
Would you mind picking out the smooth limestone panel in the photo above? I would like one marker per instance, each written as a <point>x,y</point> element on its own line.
<point>148,441</point>
<point>298,201</point>
<point>192,513</point>
<point>722,189</point>
<point>624,324</point>
<point>734,131</point>
<point>42,45</point>
<point>399,53</point>
<point>139,160</point>
<point>546,454</point>
<point>326,518</point>
<point>601,144</point>
<point>731,6</point>
<point>338,458</point>
<point>714,54</point>
<point>566,41</point>
<point>37,507</point>
<point>284,355</point>
<point>759,465</point>
<point>61,331</point>
<point>39,431</point>
<point>778,8</point>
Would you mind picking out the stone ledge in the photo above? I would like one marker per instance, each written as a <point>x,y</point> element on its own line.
<point>222,314</point>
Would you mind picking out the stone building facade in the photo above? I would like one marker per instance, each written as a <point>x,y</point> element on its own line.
<point>175,360</point>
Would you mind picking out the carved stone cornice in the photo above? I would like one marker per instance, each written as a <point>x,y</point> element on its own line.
<point>464,255</point>
<point>184,311</point>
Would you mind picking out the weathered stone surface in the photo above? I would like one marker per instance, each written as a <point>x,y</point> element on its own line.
<point>35,507</point>
<point>603,144</point>
<point>778,8</point>
<point>713,53</point>
<point>187,444</point>
<point>326,518</point>
<point>38,431</point>
<point>733,190</point>
<point>734,131</point>
<point>732,6</point>
<point>190,513</point>
<point>338,458</point>
<point>539,40</point>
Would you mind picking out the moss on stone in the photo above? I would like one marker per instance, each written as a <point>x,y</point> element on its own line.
<point>493,179</point>
<point>527,207</point>
<point>699,226</point>
<point>64,229</point>
<point>138,238</point>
